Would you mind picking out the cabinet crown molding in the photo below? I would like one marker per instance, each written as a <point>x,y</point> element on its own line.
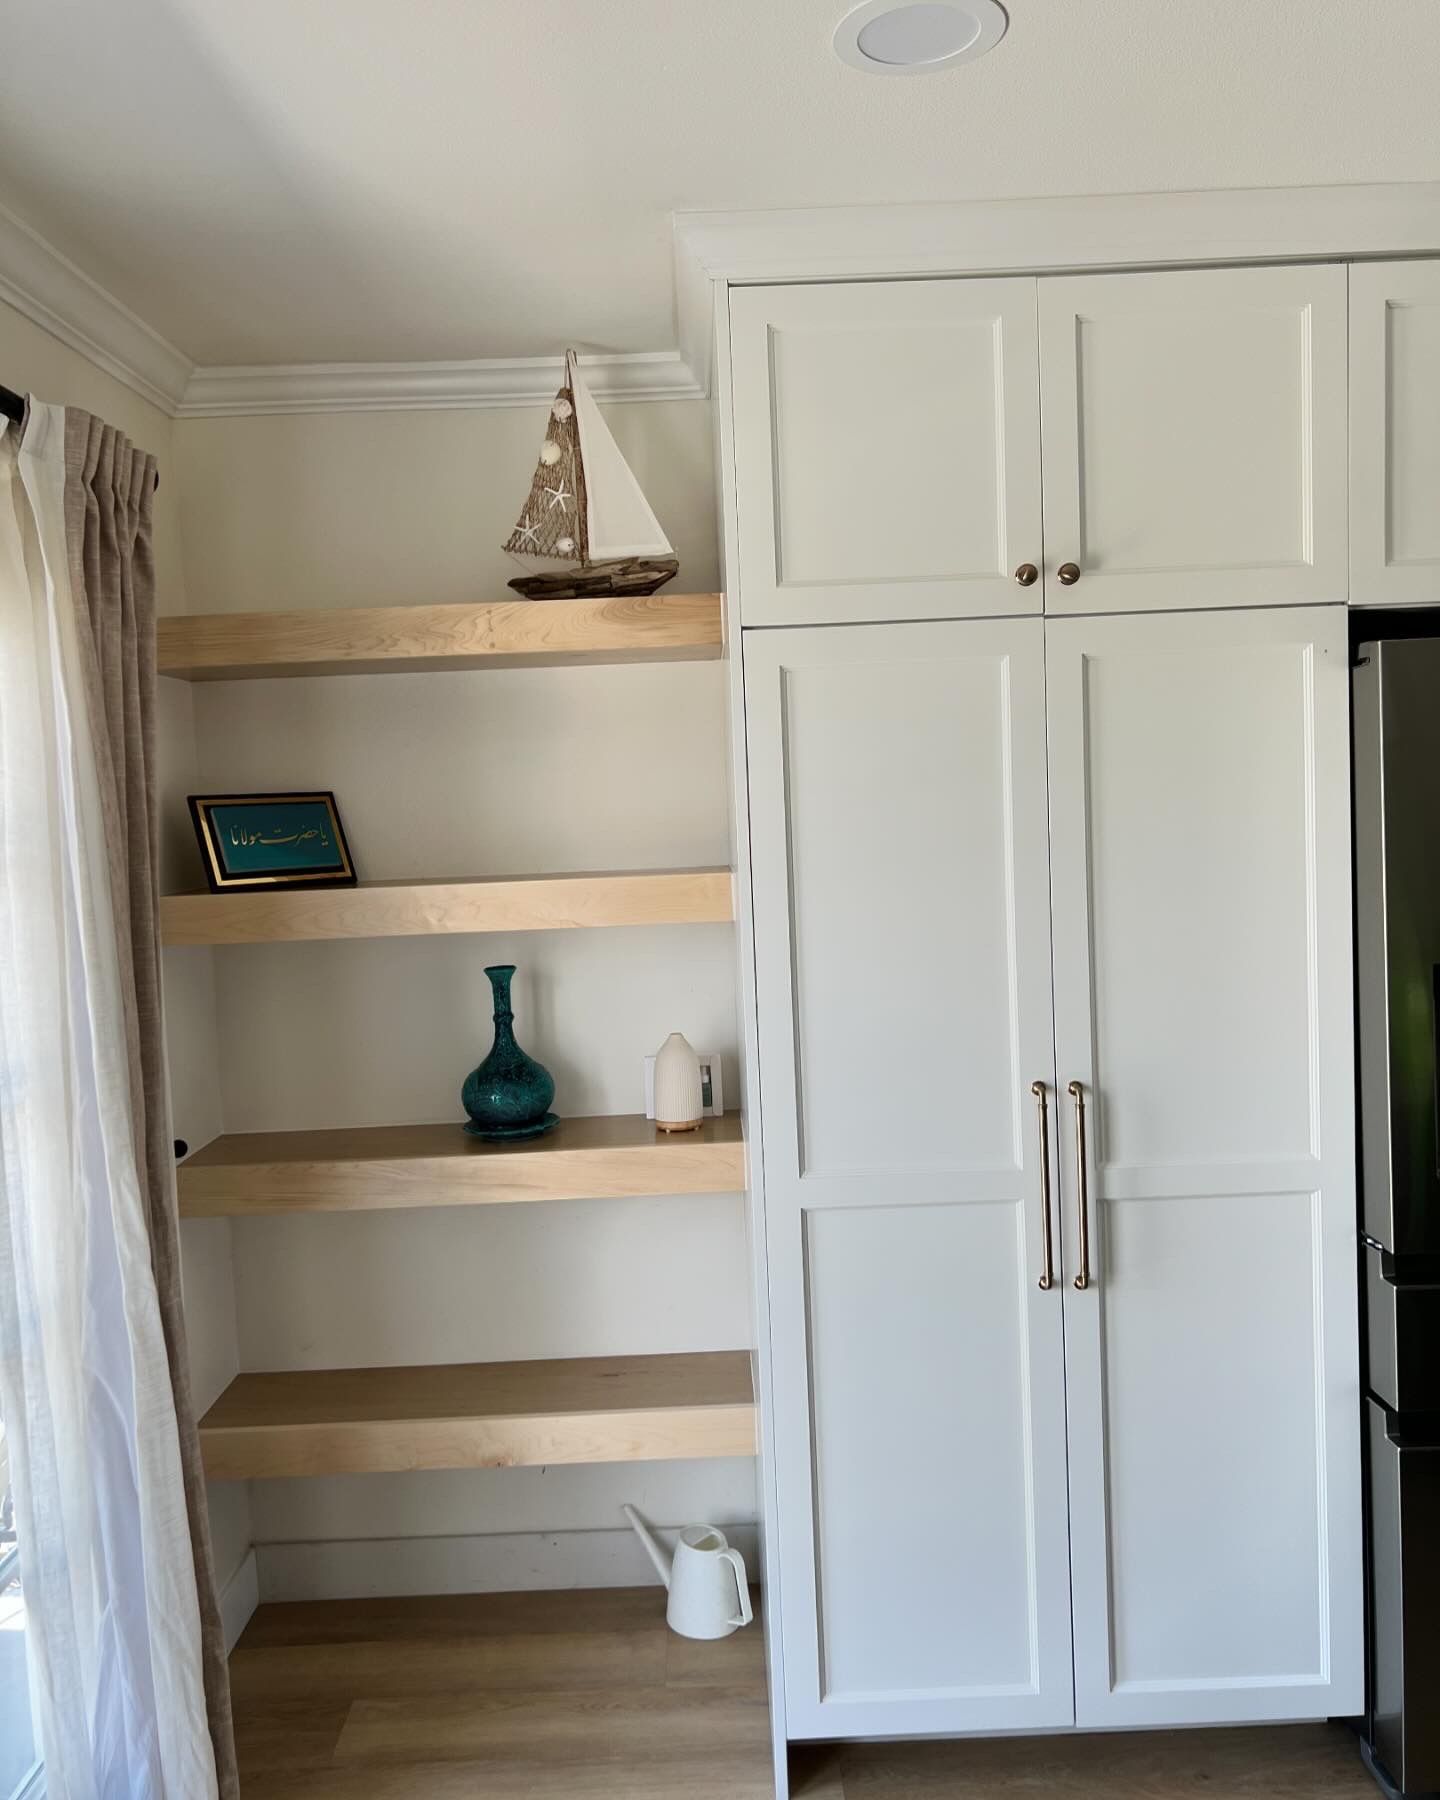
<point>1071,233</point>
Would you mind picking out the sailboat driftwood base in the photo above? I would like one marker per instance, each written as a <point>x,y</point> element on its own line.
<point>597,581</point>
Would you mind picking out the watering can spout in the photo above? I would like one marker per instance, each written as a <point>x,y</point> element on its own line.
<point>652,1549</point>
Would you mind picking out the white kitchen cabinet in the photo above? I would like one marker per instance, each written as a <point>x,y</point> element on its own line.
<point>1104,850</point>
<point>1395,434</point>
<point>1169,1449</point>
<point>887,450</point>
<point>1186,429</point>
<point>1200,874</point>
<point>1193,424</point>
<point>899,865</point>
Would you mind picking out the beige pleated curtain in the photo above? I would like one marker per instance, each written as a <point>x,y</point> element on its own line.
<point>109,501</point>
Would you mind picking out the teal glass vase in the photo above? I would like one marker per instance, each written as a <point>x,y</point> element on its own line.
<point>509,1095</point>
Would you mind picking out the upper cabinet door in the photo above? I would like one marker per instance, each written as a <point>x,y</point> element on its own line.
<point>887,447</point>
<point>1200,869</point>
<point>901,896</point>
<point>1395,434</point>
<point>1194,438</point>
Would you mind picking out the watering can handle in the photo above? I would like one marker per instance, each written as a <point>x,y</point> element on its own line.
<point>742,1583</point>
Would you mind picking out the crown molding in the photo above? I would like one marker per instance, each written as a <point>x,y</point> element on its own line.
<point>1082,233</point>
<point>52,292</point>
<point>396,387</point>
<point>695,283</point>
<point>1087,232</point>
<point>1093,231</point>
<point>48,289</point>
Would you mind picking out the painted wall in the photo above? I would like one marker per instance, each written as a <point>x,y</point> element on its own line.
<point>31,361</point>
<point>523,771</point>
<point>381,509</point>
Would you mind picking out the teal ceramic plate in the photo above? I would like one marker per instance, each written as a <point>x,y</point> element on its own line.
<point>507,1134</point>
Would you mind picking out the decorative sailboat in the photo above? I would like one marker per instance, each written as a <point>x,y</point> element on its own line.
<point>586,510</point>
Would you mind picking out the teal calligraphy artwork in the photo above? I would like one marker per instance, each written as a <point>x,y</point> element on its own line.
<point>275,837</point>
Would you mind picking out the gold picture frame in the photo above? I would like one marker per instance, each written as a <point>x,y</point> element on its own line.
<point>250,841</point>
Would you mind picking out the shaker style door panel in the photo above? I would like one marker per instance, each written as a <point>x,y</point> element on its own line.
<point>1395,434</point>
<point>1200,851</point>
<point>887,449</point>
<point>897,815</point>
<point>1194,438</point>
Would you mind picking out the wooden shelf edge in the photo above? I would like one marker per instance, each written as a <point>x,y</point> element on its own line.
<point>391,1167</point>
<point>413,639</point>
<point>408,909</point>
<point>496,1415</point>
<point>263,1453</point>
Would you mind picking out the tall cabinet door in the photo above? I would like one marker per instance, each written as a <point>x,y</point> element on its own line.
<point>887,451</point>
<point>1200,858</point>
<point>1194,428</point>
<point>897,794</point>
<point>1395,434</point>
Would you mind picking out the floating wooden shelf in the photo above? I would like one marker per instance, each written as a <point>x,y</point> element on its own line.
<point>394,1166</point>
<point>379,909</point>
<point>406,639</point>
<point>481,1415</point>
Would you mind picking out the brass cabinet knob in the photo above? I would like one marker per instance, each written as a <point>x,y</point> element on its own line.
<point>1027,574</point>
<point>1069,574</point>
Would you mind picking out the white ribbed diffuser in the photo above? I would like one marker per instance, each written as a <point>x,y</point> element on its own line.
<point>678,1105</point>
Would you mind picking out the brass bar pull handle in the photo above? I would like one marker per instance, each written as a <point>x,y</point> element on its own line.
<point>1042,1108</point>
<point>1082,1184</point>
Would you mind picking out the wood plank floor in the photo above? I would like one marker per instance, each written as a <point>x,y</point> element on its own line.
<point>584,1695</point>
<point>1273,1762</point>
<point>588,1696</point>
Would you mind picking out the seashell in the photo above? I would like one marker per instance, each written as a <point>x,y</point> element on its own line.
<point>562,409</point>
<point>565,545</point>
<point>549,453</point>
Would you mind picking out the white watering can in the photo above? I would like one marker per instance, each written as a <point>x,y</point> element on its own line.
<point>705,1578</point>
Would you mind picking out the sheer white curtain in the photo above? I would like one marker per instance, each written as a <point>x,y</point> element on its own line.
<point>87,1398</point>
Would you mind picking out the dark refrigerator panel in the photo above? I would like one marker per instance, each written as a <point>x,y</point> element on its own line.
<point>1405,1579</point>
<point>1402,1333</point>
<point>1397,900</point>
<point>1396,690</point>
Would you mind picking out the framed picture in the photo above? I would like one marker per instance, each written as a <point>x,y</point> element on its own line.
<point>712,1099</point>
<point>271,840</point>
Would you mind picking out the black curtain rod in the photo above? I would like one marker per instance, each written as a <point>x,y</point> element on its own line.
<point>12,406</point>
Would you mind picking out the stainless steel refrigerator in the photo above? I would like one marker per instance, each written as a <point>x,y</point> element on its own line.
<point>1397,866</point>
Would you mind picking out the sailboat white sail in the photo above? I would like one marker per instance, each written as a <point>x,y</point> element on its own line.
<point>618,516</point>
<point>586,509</point>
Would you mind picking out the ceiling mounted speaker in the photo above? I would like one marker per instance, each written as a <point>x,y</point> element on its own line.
<point>919,38</point>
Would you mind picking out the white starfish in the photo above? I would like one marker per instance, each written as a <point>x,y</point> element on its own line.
<point>526,530</point>
<point>560,496</point>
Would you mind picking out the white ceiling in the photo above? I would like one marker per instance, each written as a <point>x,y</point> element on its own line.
<point>272,181</point>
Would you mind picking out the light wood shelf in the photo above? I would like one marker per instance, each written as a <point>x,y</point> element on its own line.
<point>408,639</point>
<point>389,1167</point>
<point>377,909</point>
<point>481,1415</point>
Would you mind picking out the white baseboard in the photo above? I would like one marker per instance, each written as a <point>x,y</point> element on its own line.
<point>239,1597</point>
<point>362,1568</point>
